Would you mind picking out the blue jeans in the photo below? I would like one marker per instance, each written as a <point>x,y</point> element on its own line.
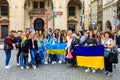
<point>53,57</point>
<point>22,60</point>
<point>8,56</point>
<point>33,54</point>
<point>45,55</point>
<point>61,57</point>
<point>18,56</point>
<point>42,57</point>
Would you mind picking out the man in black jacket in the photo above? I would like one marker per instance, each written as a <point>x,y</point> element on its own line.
<point>116,39</point>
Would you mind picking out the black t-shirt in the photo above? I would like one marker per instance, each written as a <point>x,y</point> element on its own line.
<point>92,41</point>
<point>25,47</point>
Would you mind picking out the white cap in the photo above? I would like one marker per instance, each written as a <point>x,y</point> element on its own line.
<point>32,31</point>
<point>74,35</point>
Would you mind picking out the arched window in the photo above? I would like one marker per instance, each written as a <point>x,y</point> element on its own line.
<point>39,24</point>
<point>108,25</point>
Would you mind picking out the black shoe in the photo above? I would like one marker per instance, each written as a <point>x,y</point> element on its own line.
<point>114,66</point>
<point>106,73</point>
<point>75,66</point>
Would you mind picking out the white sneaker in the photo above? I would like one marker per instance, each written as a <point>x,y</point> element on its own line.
<point>45,62</point>
<point>87,70</point>
<point>53,62</point>
<point>27,67</point>
<point>101,68</point>
<point>18,64</point>
<point>34,67</point>
<point>7,67</point>
<point>22,67</point>
<point>93,71</point>
<point>60,62</point>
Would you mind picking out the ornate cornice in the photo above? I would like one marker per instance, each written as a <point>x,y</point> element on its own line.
<point>4,21</point>
<point>37,11</point>
<point>72,21</point>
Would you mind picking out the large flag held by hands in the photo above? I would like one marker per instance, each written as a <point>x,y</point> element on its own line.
<point>90,56</point>
<point>58,48</point>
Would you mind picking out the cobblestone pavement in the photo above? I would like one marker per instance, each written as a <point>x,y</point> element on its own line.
<point>51,72</point>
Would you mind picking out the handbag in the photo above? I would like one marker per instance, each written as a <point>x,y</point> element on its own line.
<point>113,58</point>
<point>69,55</point>
<point>37,58</point>
<point>7,47</point>
<point>106,54</point>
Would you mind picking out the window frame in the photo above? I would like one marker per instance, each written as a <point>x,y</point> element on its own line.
<point>40,5</point>
<point>4,12</point>
<point>34,5</point>
<point>71,11</point>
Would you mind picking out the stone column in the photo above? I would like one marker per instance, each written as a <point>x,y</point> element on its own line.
<point>16,15</point>
<point>60,21</point>
<point>64,17</point>
<point>11,16</point>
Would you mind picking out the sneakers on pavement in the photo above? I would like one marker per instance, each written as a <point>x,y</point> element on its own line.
<point>45,62</point>
<point>106,73</point>
<point>54,62</point>
<point>93,71</point>
<point>18,64</point>
<point>7,67</point>
<point>109,74</point>
<point>87,70</point>
<point>27,67</point>
<point>22,67</point>
<point>60,62</point>
<point>34,67</point>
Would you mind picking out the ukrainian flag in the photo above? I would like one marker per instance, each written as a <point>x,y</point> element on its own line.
<point>58,48</point>
<point>90,56</point>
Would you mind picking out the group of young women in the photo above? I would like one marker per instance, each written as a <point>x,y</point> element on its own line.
<point>32,48</point>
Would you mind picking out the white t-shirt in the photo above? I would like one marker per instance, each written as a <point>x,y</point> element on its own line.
<point>108,42</point>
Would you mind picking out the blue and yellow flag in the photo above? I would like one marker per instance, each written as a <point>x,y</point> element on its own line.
<point>58,48</point>
<point>90,56</point>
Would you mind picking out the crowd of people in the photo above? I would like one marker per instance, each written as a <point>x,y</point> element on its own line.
<point>32,50</point>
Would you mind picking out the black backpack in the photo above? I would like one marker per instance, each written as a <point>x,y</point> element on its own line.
<point>37,58</point>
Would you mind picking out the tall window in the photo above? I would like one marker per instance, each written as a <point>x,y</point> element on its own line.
<point>35,5</point>
<point>71,11</point>
<point>41,4</point>
<point>4,10</point>
<point>38,5</point>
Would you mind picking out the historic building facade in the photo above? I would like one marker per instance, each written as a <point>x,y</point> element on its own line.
<point>4,18</point>
<point>87,14</point>
<point>118,12</point>
<point>109,14</point>
<point>18,15</point>
<point>94,13</point>
<point>99,15</point>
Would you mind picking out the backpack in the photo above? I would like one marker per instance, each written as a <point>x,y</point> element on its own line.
<point>37,58</point>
